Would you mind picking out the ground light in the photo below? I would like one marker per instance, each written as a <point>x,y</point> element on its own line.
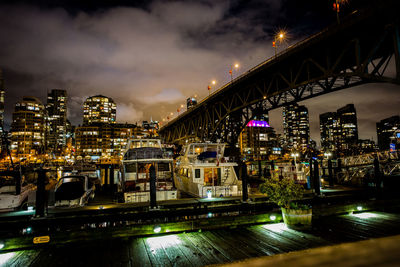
<point>157,229</point>
<point>359,208</point>
<point>365,215</point>
<point>209,194</point>
<point>160,242</point>
<point>276,227</point>
<point>4,258</point>
<point>1,245</point>
<point>272,217</point>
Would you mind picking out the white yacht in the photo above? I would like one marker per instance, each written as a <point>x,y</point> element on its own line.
<point>9,200</point>
<point>139,156</point>
<point>202,171</point>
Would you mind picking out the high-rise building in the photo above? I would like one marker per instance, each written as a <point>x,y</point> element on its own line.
<point>258,140</point>
<point>28,128</point>
<point>331,131</point>
<point>296,127</point>
<point>386,130</point>
<point>339,132</point>
<point>57,118</point>
<point>99,109</point>
<point>348,122</point>
<point>103,140</point>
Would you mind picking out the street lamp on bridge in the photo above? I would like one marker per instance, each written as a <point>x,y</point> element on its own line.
<point>213,82</point>
<point>279,37</point>
<point>236,66</point>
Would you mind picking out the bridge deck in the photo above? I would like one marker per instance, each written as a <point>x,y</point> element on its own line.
<point>211,247</point>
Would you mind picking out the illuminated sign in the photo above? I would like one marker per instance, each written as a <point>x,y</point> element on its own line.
<point>254,123</point>
<point>41,239</point>
<point>398,135</point>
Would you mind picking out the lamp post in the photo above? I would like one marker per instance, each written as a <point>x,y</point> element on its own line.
<point>236,66</point>
<point>295,155</point>
<point>280,36</point>
<point>213,82</point>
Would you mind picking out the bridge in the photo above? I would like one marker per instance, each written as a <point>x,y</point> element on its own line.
<point>356,51</point>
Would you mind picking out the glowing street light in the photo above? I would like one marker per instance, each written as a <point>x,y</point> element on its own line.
<point>236,66</point>
<point>213,82</point>
<point>281,37</point>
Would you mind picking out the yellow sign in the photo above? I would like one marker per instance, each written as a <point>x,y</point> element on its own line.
<point>41,239</point>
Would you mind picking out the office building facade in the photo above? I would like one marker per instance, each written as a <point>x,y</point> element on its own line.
<point>296,127</point>
<point>28,128</point>
<point>386,131</point>
<point>99,109</point>
<point>57,120</point>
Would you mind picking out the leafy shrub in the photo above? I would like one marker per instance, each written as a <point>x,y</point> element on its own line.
<point>282,191</point>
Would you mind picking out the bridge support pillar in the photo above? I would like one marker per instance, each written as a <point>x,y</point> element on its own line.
<point>153,193</point>
<point>316,180</point>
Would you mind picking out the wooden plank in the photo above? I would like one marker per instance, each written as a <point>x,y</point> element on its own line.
<point>20,258</point>
<point>233,237</point>
<point>297,239</point>
<point>273,239</point>
<point>225,249</point>
<point>244,236</point>
<point>262,242</point>
<point>138,253</point>
<point>156,252</point>
<point>206,248</point>
<point>193,253</point>
<point>171,245</point>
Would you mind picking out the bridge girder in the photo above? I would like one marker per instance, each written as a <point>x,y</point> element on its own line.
<point>337,58</point>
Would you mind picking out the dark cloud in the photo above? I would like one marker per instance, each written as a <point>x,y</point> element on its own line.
<point>149,56</point>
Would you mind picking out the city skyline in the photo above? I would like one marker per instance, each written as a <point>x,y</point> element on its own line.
<point>109,51</point>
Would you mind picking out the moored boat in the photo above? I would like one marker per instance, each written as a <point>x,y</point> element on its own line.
<point>138,158</point>
<point>203,171</point>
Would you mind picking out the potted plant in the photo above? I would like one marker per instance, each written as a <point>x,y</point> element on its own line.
<point>286,193</point>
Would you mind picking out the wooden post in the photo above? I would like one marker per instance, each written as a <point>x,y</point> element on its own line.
<point>311,174</point>
<point>378,176</point>
<point>40,193</point>
<point>244,182</point>
<point>153,193</point>
<point>338,170</point>
<point>316,181</point>
<point>330,172</point>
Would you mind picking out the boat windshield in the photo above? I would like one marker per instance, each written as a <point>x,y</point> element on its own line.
<point>139,143</point>
<point>205,149</point>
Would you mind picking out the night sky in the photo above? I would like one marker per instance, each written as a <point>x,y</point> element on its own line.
<point>149,56</point>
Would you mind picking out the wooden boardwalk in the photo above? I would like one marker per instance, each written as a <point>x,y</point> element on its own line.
<point>210,247</point>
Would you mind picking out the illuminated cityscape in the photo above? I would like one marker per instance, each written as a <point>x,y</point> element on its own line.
<point>195,133</point>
